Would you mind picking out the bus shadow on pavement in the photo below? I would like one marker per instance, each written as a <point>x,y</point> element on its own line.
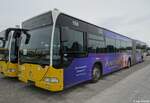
<point>45,95</point>
<point>34,89</point>
<point>15,80</point>
<point>38,90</point>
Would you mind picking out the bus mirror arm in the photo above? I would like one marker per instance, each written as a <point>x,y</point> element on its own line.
<point>1,38</point>
<point>7,33</point>
<point>27,41</point>
<point>28,37</point>
<point>9,30</point>
<point>15,29</point>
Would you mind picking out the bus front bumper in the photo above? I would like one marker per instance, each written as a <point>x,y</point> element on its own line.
<point>11,72</point>
<point>9,69</point>
<point>52,81</point>
<point>44,84</point>
<point>54,87</point>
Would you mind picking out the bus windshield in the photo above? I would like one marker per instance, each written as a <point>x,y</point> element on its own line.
<point>37,50</point>
<point>9,47</point>
<point>3,48</point>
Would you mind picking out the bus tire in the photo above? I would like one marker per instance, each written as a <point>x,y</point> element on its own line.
<point>129,63</point>
<point>142,59</point>
<point>96,73</point>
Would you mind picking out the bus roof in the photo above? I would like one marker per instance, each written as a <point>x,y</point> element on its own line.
<point>111,33</point>
<point>119,36</point>
<point>105,29</point>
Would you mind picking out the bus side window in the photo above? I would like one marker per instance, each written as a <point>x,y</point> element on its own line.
<point>123,46</point>
<point>110,43</point>
<point>117,45</point>
<point>129,46</point>
<point>96,43</point>
<point>74,42</point>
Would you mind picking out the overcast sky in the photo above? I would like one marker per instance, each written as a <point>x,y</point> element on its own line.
<point>128,17</point>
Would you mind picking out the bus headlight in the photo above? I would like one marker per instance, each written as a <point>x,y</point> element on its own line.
<point>51,80</point>
<point>11,70</point>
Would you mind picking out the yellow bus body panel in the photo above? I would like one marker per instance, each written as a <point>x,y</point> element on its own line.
<point>52,73</point>
<point>37,74</point>
<point>13,66</point>
<point>3,66</point>
<point>22,73</point>
<point>31,72</point>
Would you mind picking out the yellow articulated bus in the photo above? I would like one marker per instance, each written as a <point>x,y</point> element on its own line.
<point>9,51</point>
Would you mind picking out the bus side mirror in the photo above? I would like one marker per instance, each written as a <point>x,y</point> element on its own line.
<point>27,40</point>
<point>1,38</point>
<point>6,34</point>
<point>27,36</point>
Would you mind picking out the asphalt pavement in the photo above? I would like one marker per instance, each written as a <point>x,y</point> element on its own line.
<point>125,86</point>
<point>133,89</point>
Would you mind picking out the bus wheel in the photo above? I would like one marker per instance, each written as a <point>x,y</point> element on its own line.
<point>142,59</point>
<point>129,63</point>
<point>96,73</point>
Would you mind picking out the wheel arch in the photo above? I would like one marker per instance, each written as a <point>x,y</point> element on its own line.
<point>129,59</point>
<point>100,64</point>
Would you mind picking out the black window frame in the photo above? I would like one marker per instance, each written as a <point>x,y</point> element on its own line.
<point>113,46</point>
<point>102,41</point>
<point>84,40</point>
